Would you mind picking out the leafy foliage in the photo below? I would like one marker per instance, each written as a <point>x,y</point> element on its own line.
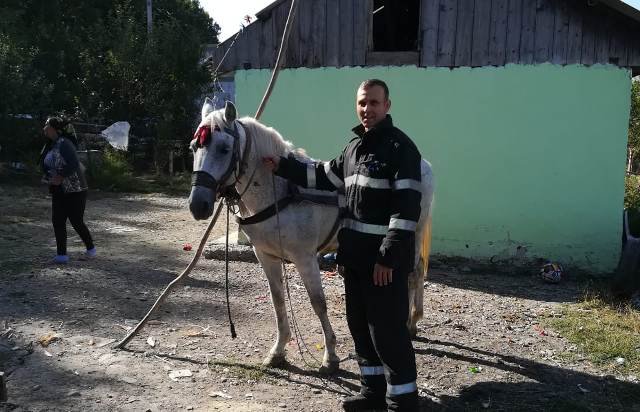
<point>634,126</point>
<point>95,61</point>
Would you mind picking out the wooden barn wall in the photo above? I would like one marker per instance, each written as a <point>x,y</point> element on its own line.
<point>453,33</point>
<point>475,33</point>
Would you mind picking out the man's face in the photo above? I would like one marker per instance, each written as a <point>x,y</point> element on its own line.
<point>371,106</point>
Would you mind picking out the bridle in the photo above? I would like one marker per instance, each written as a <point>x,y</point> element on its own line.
<point>237,166</point>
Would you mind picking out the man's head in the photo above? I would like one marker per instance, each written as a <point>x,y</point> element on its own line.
<point>372,102</point>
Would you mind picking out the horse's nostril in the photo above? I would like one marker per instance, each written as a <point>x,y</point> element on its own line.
<point>204,208</point>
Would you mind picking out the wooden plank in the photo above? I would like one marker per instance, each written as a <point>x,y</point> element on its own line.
<point>254,35</point>
<point>633,49</point>
<point>293,56</point>
<point>574,37</point>
<point>634,52</point>
<point>561,34</point>
<point>617,45</point>
<point>243,46</point>
<point>464,33</point>
<point>318,33</point>
<point>429,32</point>
<point>304,21</point>
<point>346,33</point>
<point>332,53</point>
<point>361,9</point>
<point>514,31</point>
<point>481,31</point>
<point>589,28</point>
<point>498,32</point>
<point>406,58</point>
<point>447,21</point>
<point>279,17</point>
<point>528,33</point>
<point>231,61</point>
<point>603,33</point>
<point>268,48</point>
<point>545,18</point>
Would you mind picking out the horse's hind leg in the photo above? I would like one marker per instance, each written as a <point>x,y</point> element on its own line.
<point>310,273</point>
<point>272,267</point>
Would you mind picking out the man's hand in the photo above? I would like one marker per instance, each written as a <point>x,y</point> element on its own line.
<point>56,180</point>
<point>382,275</point>
<point>271,163</point>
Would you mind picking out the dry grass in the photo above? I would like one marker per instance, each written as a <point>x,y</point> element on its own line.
<point>605,332</point>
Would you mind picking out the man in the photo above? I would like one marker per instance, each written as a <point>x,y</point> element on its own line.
<point>379,171</point>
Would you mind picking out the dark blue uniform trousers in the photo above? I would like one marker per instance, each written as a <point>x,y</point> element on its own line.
<point>377,318</point>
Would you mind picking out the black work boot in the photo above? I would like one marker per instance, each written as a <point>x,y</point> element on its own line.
<point>361,402</point>
<point>404,403</point>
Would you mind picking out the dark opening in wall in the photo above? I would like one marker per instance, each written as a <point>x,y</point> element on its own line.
<point>395,25</point>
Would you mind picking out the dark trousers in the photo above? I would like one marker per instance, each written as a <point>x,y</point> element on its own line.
<point>377,319</point>
<point>69,206</point>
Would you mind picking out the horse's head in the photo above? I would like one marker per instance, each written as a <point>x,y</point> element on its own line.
<point>217,153</point>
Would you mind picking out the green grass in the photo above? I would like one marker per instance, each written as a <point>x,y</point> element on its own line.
<point>603,330</point>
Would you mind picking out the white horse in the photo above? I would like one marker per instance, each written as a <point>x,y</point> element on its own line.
<point>228,155</point>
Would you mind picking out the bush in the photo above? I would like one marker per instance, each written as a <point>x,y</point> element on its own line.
<point>632,203</point>
<point>111,172</point>
<point>632,192</point>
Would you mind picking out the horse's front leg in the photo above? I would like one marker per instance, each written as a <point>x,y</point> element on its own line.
<point>272,267</point>
<point>310,273</point>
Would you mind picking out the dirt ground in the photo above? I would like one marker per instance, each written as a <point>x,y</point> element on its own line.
<point>481,346</point>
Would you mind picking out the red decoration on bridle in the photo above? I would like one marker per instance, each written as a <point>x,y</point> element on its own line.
<point>203,135</point>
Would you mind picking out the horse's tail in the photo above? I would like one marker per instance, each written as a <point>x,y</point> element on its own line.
<point>425,247</point>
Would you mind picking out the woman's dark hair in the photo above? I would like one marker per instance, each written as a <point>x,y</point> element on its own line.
<point>63,127</point>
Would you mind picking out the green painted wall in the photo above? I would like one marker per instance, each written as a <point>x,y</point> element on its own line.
<point>529,156</point>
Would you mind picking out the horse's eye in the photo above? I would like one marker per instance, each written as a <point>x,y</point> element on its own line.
<point>224,149</point>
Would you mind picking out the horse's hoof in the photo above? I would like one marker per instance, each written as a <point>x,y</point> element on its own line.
<point>274,361</point>
<point>329,368</point>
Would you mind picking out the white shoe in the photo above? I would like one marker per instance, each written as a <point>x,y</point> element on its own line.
<point>91,253</point>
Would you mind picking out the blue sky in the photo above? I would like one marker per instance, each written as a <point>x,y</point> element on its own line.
<point>229,14</point>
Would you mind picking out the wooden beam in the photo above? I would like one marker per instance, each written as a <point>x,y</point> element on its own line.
<point>464,33</point>
<point>406,58</point>
<point>514,31</point>
<point>574,37</point>
<point>528,34</point>
<point>498,32</point>
<point>561,34</point>
<point>332,53</point>
<point>346,33</point>
<point>481,26</point>
<point>545,19</point>
<point>429,32</point>
<point>447,21</point>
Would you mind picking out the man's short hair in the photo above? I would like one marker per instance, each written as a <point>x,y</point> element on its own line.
<point>375,82</point>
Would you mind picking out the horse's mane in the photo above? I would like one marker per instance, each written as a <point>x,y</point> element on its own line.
<point>269,142</point>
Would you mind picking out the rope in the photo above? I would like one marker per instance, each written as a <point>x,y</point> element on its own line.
<point>232,327</point>
<point>294,322</point>
<point>174,283</point>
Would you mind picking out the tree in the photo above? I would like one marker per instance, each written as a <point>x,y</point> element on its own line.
<point>95,61</point>
<point>633,147</point>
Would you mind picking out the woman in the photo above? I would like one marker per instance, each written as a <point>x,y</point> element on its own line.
<point>68,188</point>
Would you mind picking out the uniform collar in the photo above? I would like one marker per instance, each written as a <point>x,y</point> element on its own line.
<point>385,123</point>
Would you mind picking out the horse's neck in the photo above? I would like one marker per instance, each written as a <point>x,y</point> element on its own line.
<point>259,194</point>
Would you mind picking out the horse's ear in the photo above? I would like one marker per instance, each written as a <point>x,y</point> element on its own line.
<point>230,113</point>
<point>207,107</point>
